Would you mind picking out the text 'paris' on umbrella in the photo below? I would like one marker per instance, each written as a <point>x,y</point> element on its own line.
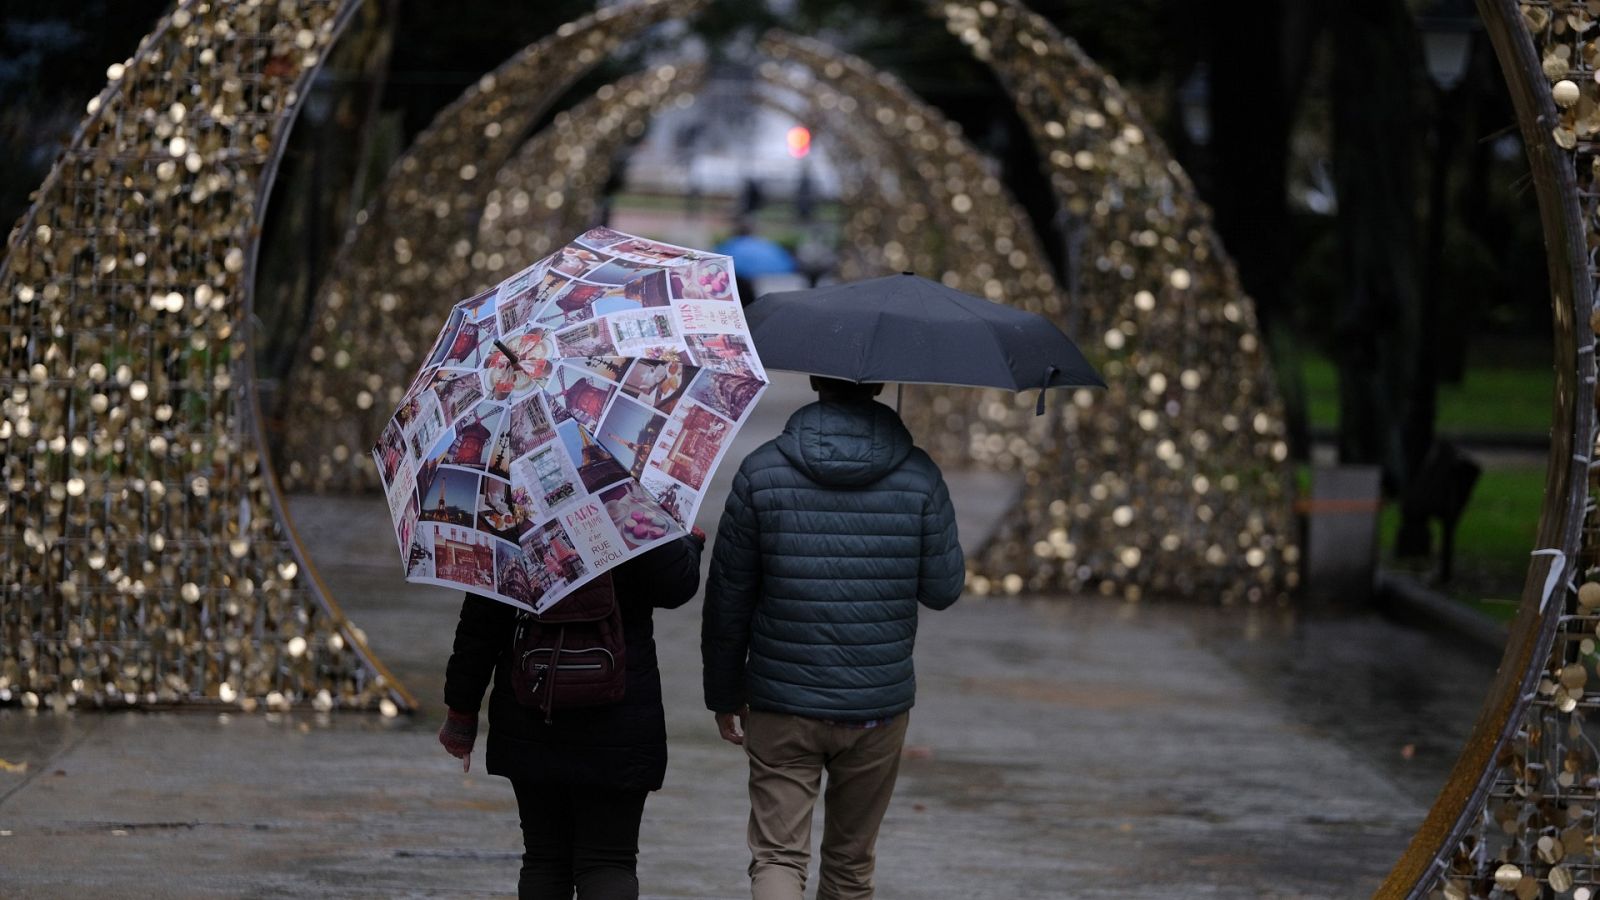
<point>569,418</point>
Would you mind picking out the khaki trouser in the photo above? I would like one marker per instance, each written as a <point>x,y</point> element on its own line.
<point>787,757</point>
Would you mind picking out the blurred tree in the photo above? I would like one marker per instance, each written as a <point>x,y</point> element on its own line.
<point>441,48</point>
<point>1374,161</point>
<point>53,59</point>
<point>1257,56</point>
<point>1294,84</point>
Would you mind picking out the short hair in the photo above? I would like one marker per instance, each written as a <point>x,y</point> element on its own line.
<point>845,390</point>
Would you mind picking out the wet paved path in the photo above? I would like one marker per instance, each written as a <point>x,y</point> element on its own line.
<point>1061,748</point>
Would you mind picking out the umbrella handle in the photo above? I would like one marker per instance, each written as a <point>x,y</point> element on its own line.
<point>509,354</point>
<point>1049,376</point>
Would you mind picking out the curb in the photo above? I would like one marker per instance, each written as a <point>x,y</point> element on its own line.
<point>1466,440</point>
<point>1409,601</point>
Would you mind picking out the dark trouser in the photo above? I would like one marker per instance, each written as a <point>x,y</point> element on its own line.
<point>581,837</point>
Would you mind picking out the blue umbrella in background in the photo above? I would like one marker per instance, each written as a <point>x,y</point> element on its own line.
<point>757,257</point>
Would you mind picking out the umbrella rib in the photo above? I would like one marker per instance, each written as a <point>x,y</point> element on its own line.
<point>994,339</point>
<point>863,357</point>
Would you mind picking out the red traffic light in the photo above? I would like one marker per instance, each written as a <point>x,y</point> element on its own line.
<point>799,141</point>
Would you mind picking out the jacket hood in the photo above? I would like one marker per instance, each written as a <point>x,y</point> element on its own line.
<point>845,444</point>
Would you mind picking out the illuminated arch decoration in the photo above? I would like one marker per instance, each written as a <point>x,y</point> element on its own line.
<point>1174,480</point>
<point>858,158</point>
<point>409,253</point>
<point>872,179</point>
<point>956,221</point>
<point>1517,815</point>
<point>952,219</point>
<point>554,187</point>
<point>878,186</point>
<point>145,558</point>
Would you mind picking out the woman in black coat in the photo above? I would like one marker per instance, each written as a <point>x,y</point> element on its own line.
<point>581,778</point>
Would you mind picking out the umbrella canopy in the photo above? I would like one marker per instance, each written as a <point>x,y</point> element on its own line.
<point>757,257</point>
<point>569,418</point>
<point>907,329</point>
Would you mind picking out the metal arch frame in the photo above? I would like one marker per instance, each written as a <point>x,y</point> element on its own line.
<point>1216,442</point>
<point>1535,628</point>
<point>246,419</point>
<point>1530,643</point>
<point>529,83</point>
<point>251,409</point>
<point>108,93</point>
<point>535,157</point>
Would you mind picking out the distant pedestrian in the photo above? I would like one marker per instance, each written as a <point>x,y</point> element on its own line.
<point>833,534</point>
<point>580,775</point>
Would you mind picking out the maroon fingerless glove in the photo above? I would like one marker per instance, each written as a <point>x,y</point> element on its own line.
<point>459,733</point>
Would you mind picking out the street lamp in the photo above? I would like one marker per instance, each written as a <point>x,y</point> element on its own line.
<point>1194,105</point>
<point>1447,29</point>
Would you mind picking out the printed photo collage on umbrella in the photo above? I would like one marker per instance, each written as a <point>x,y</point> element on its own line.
<point>519,477</point>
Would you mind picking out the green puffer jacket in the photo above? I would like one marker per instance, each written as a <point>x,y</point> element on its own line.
<point>833,533</point>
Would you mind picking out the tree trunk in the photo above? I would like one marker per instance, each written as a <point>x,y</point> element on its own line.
<point>1376,331</point>
<point>1483,98</point>
<point>1253,93</point>
<point>1417,431</point>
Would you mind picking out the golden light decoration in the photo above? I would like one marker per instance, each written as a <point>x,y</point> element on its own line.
<point>554,187</point>
<point>1517,816</point>
<point>144,557</point>
<point>955,221</point>
<point>1175,480</point>
<point>923,198</point>
<point>409,254</point>
<point>862,162</point>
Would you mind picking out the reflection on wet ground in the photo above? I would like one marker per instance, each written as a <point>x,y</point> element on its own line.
<point>1403,698</point>
<point>1060,748</point>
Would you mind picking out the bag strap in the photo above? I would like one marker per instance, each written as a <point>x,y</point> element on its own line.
<point>550,677</point>
<point>590,603</point>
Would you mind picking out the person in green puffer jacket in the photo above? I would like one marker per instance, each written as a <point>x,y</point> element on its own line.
<point>834,533</point>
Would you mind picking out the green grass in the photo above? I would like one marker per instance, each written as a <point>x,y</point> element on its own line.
<point>1498,529</point>
<point>1493,541</point>
<point>1322,391</point>
<point>1489,400</point>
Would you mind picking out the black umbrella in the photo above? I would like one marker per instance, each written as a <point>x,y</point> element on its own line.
<point>910,330</point>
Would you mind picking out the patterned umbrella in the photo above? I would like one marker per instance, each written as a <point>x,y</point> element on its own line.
<point>569,418</point>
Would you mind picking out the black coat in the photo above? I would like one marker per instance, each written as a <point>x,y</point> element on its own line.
<point>623,745</point>
<point>833,535</point>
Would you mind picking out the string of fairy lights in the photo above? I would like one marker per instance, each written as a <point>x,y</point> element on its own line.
<point>142,560</point>
<point>1532,830</point>
<point>457,208</point>
<point>1174,480</point>
<point>410,252</point>
<point>555,185</point>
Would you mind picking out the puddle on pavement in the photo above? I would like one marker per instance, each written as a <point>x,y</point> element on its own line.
<point>1402,698</point>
